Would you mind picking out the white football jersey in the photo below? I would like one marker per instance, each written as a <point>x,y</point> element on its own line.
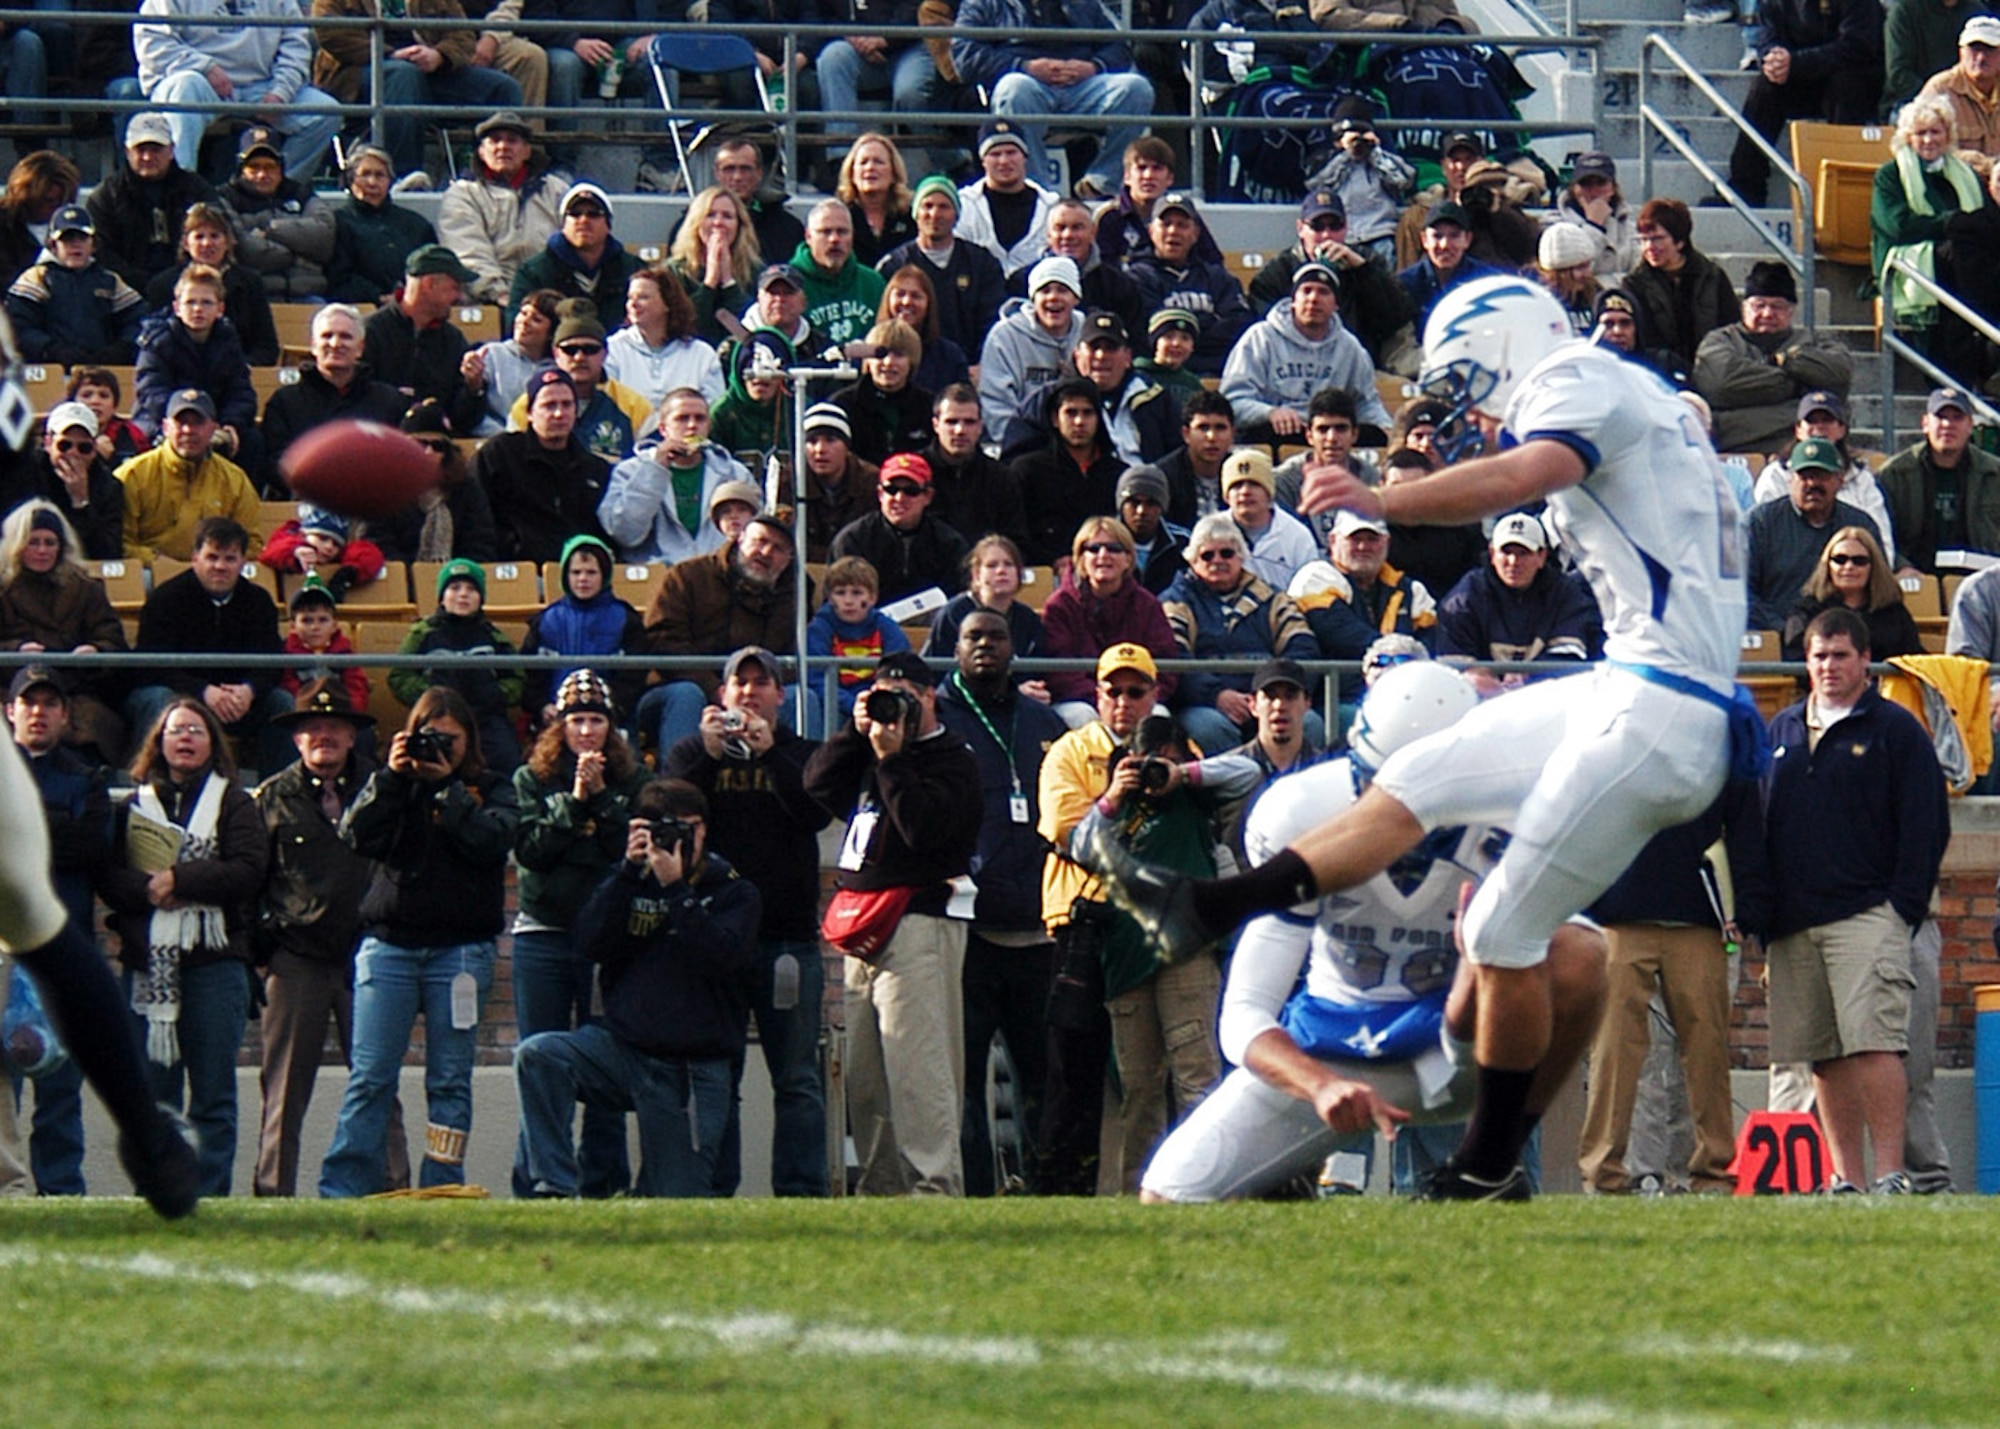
<point>1654,528</point>
<point>1386,940</point>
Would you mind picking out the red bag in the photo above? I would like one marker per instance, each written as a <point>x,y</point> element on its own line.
<point>860,922</point>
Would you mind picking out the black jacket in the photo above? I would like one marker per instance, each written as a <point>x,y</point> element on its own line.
<point>78,811</point>
<point>443,849</point>
<point>243,298</point>
<point>931,555</point>
<point>1059,494</point>
<point>139,223</point>
<point>312,401</point>
<point>540,498</point>
<point>674,960</point>
<point>181,617</point>
<point>976,496</point>
<point>229,879</point>
<point>422,364</point>
<point>1007,865</point>
<point>925,830</point>
<point>761,819</point>
<point>312,896</point>
<point>99,522</point>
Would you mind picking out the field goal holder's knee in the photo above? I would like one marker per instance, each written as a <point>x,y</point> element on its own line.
<point>706,54</point>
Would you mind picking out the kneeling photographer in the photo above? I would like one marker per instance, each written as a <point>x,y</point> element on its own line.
<point>911,795</point>
<point>1136,770</point>
<point>673,932</point>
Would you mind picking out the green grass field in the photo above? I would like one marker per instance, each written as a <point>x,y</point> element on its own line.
<point>1671,1312</point>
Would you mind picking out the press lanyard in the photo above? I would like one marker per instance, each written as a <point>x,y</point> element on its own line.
<point>1017,802</point>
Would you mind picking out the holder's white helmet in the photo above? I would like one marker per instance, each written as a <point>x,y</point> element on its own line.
<point>1405,704</point>
<point>1481,340</point>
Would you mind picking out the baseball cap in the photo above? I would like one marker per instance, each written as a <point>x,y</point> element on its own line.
<point>1314,273</point>
<point>1981,30</point>
<point>1449,212</point>
<point>72,414</point>
<point>71,218</point>
<point>1146,483</point>
<point>1821,400</point>
<point>505,121</point>
<point>778,520</point>
<point>905,665</point>
<point>1815,454</point>
<point>1279,671</point>
<point>827,417</point>
<point>780,273</point>
<point>578,192</point>
<point>1461,139</point>
<point>753,655</point>
<point>1595,164</point>
<point>1127,656</point>
<point>436,258</point>
<point>1322,203</point>
<point>996,132</point>
<point>149,128</point>
<point>1248,464</point>
<point>1346,523</point>
<point>1943,397</point>
<point>1105,327</point>
<point>908,466</point>
<point>1173,317</point>
<point>1055,269</point>
<point>1519,529</point>
<point>258,139</point>
<point>191,398</point>
<point>29,676</point>
<point>1180,200</point>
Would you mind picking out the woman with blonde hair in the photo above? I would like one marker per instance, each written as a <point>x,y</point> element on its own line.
<point>49,601</point>
<point>716,257</point>
<point>874,183</point>
<point>1101,603</point>
<point>1852,572</point>
<point>1921,187</point>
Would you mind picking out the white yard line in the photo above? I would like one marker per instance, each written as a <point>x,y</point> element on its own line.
<point>1738,1347</point>
<point>1232,1359</point>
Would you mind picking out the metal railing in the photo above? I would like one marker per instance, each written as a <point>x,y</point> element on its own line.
<point>1203,125</point>
<point>1799,260</point>
<point>1894,348</point>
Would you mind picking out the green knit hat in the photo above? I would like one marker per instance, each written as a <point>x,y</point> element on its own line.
<point>936,183</point>
<point>462,570</point>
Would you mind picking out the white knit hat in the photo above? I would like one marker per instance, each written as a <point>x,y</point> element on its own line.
<point>1564,245</point>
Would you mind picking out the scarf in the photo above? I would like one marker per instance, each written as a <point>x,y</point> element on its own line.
<point>435,539</point>
<point>173,932</point>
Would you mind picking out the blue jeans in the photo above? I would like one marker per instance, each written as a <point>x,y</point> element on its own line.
<point>404,83</point>
<point>307,131</point>
<point>682,1106</point>
<point>391,986</point>
<point>55,1149</point>
<point>907,76</point>
<point>215,1008</point>
<point>552,994</point>
<point>27,73</point>
<point>568,77</point>
<point>1018,96</point>
<point>789,1036</point>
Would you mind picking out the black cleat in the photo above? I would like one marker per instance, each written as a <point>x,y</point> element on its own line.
<point>163,1165</point>
<point>1449,1183</point>
<point>1157,899</point>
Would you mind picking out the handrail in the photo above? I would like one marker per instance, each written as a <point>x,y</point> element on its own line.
<point>1895,347</point>
<point>1800,262</point>
<point>789,120</point>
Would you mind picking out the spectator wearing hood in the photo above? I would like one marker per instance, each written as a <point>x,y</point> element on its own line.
<point>748,418</point>
<point>1028,351</point>
<point>284,231</point>
<point>658,503</point>
<point>1299,348</point>
<point>581,259</point>
<point>587,620</point>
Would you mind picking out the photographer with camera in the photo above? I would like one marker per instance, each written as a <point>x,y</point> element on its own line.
<point>672,933</point>
<point>1371,183</point>
<point>441,824</point>
<point>751,769</point>
<point>904,784</point>
<point>1137,772</point>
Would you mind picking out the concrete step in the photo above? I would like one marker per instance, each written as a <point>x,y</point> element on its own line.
<point>1618,134</point>
<point>1670,92</point>
<point>1706,47</point>
<point>1663,14</point>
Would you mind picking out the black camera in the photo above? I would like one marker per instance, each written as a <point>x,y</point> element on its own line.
<point>1156,736</point>
<point>429,746</point>
<point>677,835</point>
<point>886,706</point>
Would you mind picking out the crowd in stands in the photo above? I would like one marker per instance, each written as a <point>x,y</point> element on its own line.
<point>1074,390</point>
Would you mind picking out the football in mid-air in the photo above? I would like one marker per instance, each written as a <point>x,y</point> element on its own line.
<point>359,468</point>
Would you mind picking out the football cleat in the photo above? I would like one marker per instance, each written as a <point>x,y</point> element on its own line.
<point>1157,899</point>
<point>163,1164</point>
<point>1451,1183</point>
